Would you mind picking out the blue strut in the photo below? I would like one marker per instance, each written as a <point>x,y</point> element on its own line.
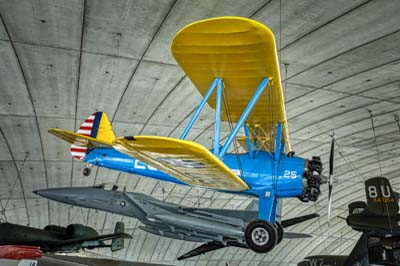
<point>243,117</point>
<point>199,108</point>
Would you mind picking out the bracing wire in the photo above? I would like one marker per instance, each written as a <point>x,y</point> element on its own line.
<point>348,160</point>
<point>228,115</point>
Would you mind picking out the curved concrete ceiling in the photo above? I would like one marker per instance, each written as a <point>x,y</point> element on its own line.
<point>61,60</point>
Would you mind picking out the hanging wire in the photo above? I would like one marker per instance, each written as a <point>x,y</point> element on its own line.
<point>285,86</point>
<point>348,160</point>
<point>320,226</point>
<point>380,167</point>
<point>280,35</point>
<point>14,185</point>
<point>397,119</point>
<point>376,144</point>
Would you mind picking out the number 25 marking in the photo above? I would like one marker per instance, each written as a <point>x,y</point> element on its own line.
<point>290,174</point>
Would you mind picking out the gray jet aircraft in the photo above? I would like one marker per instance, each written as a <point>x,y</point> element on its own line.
<point>219,228</point>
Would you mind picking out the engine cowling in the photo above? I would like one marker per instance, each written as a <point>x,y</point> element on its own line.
<point>55,228</point>
<point>79,230</point>
<point>357,207</point>
<point>312,180</point>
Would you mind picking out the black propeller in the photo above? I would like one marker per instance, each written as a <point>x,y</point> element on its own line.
<point>330,179</point>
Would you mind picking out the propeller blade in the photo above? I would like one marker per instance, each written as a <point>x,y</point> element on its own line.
<point>329,205</point>
<point>330,180</point>
<point>331,155</point>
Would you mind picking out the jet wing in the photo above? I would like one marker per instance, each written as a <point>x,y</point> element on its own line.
<point>242,52</point>
<point>106,237</point>
<point>185,160</point>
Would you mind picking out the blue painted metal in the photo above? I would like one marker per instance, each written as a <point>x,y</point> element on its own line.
<point>267,208</point>
<point>217,117</point>
<point>278,137</point>
<point>199,108</point>
<point>248,142</point>
<point>243,117</point>
<point>258,173</point>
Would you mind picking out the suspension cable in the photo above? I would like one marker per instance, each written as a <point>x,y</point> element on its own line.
<point>380,167</point>
<point>15,183</point>
<point>376,144</point>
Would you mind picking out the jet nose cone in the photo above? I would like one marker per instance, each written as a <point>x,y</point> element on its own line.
<point>57,194</point>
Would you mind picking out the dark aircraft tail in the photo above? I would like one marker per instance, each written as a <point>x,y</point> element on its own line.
<point>359,254</point>
<point>118,243</point>
<point>381,199</point>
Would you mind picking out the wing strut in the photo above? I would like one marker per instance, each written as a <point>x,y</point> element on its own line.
<point>243,117</point>
<point>200,107</point>
<point>217,83</point>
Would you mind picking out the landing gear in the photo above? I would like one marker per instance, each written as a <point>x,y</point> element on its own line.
<point>279,229</point>
<point>86,171</point>
<point>261,236</point>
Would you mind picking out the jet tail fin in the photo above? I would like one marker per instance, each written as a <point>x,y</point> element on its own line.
<point>381,199</point>
<point>118,243</point>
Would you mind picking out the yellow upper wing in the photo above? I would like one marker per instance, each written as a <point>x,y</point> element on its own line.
<point>185,160</point>
<point>242,52</point>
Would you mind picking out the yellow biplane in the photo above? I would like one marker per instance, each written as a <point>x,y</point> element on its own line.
<point>236,58</point>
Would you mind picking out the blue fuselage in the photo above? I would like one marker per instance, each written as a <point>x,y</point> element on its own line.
<point>261,174</point>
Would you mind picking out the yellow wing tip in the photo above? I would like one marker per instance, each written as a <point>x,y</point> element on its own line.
<point>234,18</point>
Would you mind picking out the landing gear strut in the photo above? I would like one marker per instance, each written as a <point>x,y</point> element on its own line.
<point>261,236</point>
<point>279,229</point>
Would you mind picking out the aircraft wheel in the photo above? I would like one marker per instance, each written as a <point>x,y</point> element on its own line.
<point>261,236</point>
<point>279,229</point>
<point>86,171</point>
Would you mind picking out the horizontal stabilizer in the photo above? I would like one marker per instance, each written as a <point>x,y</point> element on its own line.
<point>290,235</point>
<point>78,139</point>
<point>297,220</point>
<point>207,247</point>
<point>118,243</point>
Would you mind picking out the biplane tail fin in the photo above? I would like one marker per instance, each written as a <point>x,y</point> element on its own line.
<point>381,200</point>
<point>96,130</point>
<point>96,126</point>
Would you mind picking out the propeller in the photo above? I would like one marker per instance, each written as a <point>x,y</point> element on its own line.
<point>330,179</point>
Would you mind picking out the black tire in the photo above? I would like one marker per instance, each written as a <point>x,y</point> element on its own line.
<point>279,229</point>
<point>261,236</point>
<point>86,171</point>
